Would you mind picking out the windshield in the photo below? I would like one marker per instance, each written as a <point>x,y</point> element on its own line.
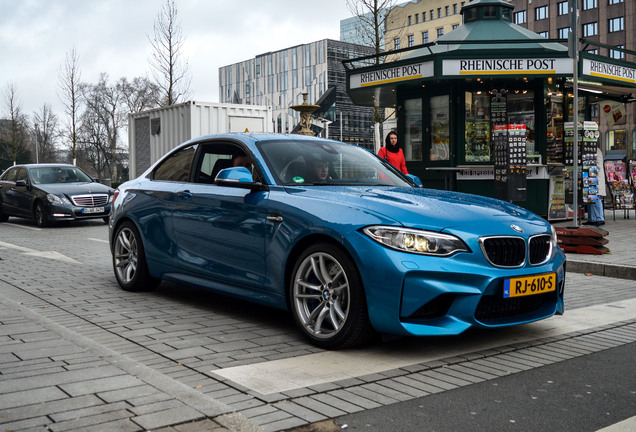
<point>306,162</point>
<point>59,174</point>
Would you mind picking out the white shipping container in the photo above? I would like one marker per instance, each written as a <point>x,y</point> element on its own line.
<point>153,133</point>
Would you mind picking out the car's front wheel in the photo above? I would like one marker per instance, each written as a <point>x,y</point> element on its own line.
<point>129,260</point>
<point>3,217</point>
<point>327,298</point>
<point>40,216</point>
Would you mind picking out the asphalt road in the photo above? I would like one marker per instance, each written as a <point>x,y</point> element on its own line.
<point>78,353</point>
<point>584,394</point>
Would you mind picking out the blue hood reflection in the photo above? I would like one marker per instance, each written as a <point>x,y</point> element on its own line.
<point>428,208</point>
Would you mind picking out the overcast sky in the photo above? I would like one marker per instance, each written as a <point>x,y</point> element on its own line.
<point>112,36</point>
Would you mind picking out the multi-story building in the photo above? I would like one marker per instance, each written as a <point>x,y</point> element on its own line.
<point>421,22</point>
<point>609,23</point>
<point>279,79</point>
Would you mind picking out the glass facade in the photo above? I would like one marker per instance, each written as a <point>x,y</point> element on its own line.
<point>278,79</point>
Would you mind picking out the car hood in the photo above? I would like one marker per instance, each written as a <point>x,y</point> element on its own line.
<point>432,209</point>
<point>75,188</point>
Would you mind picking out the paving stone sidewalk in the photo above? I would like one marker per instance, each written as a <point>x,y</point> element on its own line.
<point>620,262</point>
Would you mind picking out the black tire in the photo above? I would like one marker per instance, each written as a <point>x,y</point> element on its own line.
<point>129,260</point>
<point>40,216</point>
<point>3,217</point>
<point>327,298</point>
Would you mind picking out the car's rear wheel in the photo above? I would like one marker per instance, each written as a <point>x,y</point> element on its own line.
<point>39,214</point>
<point>129,260</point>
<point>327,298</point>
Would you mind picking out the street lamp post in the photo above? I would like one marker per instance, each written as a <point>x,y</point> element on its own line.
<point>37,150</point>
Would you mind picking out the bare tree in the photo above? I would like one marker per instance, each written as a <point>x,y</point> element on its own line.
<point>15,134</point>
<point>170,70</point>
<point>70,96</point>
<point>45,134</point>
<point>104,105</point>
<point>139,94</point>
<point>373,15</point>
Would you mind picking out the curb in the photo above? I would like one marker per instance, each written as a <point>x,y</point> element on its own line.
<point>600,269</point>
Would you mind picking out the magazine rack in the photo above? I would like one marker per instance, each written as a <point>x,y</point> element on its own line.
<point>619,178</point>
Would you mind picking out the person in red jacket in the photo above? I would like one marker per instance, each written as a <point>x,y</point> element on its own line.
<point>392,153</point>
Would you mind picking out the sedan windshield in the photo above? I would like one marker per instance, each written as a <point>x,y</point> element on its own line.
<point>307,162</point>
<point>59,174</point>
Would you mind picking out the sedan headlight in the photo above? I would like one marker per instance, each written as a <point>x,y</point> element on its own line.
<point>416,241</point>
<point>57,200</point>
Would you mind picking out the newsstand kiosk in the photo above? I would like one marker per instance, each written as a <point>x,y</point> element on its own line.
<point>483,109</point>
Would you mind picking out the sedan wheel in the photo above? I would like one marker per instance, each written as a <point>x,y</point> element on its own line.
<point>328,299</point>
<point>129,260</point>
<point>39,214</point>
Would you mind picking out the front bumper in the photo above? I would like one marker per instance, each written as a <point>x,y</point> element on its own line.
<point>58,212</point>
<point>418,295</point>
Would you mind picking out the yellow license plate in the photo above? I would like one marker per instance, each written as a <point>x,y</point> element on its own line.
<point>529,285</point>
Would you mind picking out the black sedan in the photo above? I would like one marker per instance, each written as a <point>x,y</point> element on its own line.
<point>52,192</point>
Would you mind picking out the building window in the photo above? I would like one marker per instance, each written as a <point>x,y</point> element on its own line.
<point>540,13</point>
<point>417,18</point>
<point>432,14</point>
<point>439,12</point>
<point>590,4</point>
<point>411,40</point>
<point>396,43</point>
<point>447,10</point>
<point>455,26</point>
<point>616,54</point>
<point>590,29</point>
<point>424,37</point>
<point>440,32</point>
<point>544,34</point>
<point>593,51</point>
<point>562,8</point>
<point>455,9</point>
<point>616,24</point>
<point>563,32</point>
<point>423,16</point>
<point>521,17</point>
<point>410,20</point>
<point>611,2</point>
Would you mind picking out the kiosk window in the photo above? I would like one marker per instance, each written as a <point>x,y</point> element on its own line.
<point>440,126</point>
<point>477,135</point>
<point>616,140</point>
<point>413,130</point>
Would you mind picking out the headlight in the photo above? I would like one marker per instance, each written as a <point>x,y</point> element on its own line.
<point>553,240</point>
<point>57,200</point>
<point>416,241</point>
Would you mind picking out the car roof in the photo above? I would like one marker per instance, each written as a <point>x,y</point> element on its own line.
<point>45,165</point>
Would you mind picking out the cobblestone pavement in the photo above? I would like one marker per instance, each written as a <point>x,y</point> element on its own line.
<point>78,353</point>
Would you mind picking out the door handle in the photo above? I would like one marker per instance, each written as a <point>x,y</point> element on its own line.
<point>184,194</point>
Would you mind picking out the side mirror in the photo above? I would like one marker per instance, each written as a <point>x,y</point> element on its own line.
<point>239,177</point>
<point>415,179</point>
<point>22,183</point>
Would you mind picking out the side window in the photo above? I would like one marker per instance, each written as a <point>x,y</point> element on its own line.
<point>177,167</point>
<point>10,175</point>
<point>217,156</point>
<point>22,175</point>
